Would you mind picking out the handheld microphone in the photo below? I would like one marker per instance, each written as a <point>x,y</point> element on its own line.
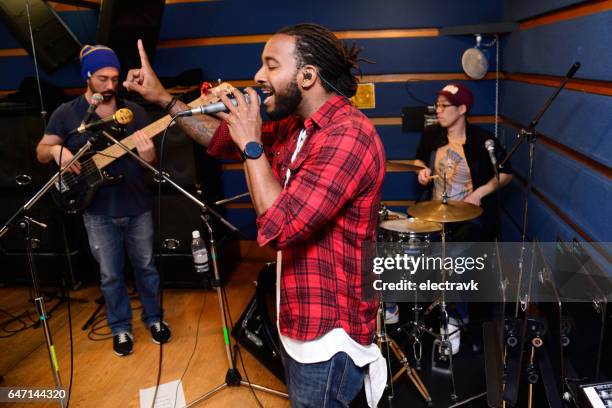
<point>96,99</point>
<point>122,117</point>
<point>490,146</point>
<point>212,108</point>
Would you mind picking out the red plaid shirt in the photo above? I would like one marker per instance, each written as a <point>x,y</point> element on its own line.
<point>319,221</point>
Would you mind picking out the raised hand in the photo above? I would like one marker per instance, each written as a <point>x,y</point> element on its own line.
<point>144,80</point>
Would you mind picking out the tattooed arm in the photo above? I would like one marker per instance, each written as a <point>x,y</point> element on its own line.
<point>200,128</point>
<point>144,81</point>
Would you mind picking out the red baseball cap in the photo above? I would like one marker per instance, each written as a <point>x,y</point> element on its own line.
<point>458,95</point>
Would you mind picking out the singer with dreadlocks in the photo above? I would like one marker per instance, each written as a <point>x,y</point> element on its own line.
<point>315,174</point>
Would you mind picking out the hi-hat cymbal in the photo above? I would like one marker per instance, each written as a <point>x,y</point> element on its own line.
<point>453,211</point>
<point>402,165</point>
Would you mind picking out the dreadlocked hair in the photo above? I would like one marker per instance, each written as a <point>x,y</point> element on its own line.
<point>316,45</point>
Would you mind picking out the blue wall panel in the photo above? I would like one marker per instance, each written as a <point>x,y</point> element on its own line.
<point>578,192</point>
<point>514,10</point>
<point>234,183</point>
<point>241,61</point>
<point>398,145</point>
<point>401,186</point>
<point>551,49</point>
<point>391,97</point>
<point>15,69</point>
<point>244,220</point>
<point>83,24</point>
<point>542,222</point>
<point>235,17</point>
<point>578,120</point>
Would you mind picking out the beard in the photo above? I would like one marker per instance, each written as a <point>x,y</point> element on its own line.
<point>287,102</point>
<point>108,95</point>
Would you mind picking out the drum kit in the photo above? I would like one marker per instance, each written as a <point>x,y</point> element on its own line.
<point>426,224</point>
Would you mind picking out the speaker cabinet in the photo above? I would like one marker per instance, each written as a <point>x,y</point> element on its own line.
<point>55,44</point>
<point>122,23</point>
<point>21,130</point>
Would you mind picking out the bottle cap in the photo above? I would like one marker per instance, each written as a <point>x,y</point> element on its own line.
<point>195,234</point>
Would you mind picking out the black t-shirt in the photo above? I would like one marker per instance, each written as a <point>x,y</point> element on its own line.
<point>131,196</point>
<point>477,158</point>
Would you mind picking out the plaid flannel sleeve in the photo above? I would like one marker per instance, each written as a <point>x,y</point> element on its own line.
<point>326,179</point>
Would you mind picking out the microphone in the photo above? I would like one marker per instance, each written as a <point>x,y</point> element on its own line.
<point>490,146</point>
<point>573,69</point>
<point>212,108</point>
<point>96,99</point>
<point>122,117</point>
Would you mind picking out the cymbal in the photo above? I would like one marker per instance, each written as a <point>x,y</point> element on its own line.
<point>453,211</point>
<point>402,165</point>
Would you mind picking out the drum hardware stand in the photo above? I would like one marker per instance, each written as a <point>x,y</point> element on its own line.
<point>383,339</point>
<point>444,347</point>
<point>531,371</point>
<point>232,377</point>
<point>515,334</point>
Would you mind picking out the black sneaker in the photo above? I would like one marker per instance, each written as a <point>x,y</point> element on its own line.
<point>123,343</point>
<point>160,332</point>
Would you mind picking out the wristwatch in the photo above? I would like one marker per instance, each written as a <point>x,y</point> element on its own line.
<point>252,150</point>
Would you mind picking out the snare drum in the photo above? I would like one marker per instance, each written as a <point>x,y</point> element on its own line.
<point>410,230</point>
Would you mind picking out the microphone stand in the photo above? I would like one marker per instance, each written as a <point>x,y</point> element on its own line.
<point>529,133</point>
<point>23,221</point>
<point>232,377</point>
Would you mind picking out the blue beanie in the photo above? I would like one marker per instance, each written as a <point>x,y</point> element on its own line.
<point>95,57</point>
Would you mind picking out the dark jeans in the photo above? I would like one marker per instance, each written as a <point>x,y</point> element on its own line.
<point>109,239</point>
<point>332,383</point>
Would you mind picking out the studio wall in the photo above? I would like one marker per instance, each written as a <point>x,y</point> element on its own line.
<point>411,62</point>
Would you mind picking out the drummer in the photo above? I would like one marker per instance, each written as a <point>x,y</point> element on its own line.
<point>456,149</point>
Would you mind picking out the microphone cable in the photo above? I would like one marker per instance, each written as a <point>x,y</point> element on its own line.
<point>160,169</point>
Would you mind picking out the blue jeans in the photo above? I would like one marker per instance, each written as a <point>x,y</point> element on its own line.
<point>109,238</point>
<point>329,384</point>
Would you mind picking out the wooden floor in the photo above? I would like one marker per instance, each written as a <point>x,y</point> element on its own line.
<point>101,379</point>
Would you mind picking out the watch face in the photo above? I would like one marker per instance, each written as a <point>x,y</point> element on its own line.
<point>253,150</point>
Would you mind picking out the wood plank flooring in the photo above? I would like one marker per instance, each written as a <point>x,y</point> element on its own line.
<point>101,379</point>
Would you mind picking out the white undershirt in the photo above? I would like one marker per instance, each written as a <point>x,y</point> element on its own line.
<point>335,341</point>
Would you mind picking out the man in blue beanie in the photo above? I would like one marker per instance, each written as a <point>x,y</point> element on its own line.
<point>119,218</point>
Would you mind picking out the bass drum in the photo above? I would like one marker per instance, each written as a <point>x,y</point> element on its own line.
<point>256,329</point>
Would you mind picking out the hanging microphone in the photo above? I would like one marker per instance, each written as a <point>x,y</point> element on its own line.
<point>573,69</point>
<point>212,108</point>
<point>96,99</point>
<point>490,146</point>
<point>122,117</point>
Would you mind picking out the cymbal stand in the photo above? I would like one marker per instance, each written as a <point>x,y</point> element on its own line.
<point>443,344</point>
<point>232,377</point>
<point>385,341</point>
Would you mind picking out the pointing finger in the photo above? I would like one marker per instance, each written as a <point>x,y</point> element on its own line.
<point>144,59</point>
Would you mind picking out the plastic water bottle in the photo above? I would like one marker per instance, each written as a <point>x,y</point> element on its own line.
<point>200,254</point>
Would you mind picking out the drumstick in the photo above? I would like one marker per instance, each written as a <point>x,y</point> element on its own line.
<point>433,177</point>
